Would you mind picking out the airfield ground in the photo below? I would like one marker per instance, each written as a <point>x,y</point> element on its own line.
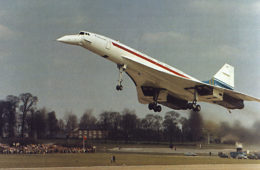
<point>130,158</point>
<point>103,159</point>
<point>163,167</point>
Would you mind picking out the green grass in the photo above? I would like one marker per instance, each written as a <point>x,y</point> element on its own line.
<point>103,159</point>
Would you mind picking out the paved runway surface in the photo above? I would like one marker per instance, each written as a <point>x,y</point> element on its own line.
<point>156,167</point>
<point>171,151</point>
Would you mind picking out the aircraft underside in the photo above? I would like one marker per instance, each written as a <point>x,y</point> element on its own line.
<point>150,93</point>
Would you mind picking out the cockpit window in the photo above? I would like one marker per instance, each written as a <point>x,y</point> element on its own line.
<point>84,33</point>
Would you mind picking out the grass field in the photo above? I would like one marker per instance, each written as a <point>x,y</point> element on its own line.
<point>103,159</point>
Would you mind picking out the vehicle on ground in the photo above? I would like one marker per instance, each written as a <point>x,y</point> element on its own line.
<point>241,156</point>
<point>257,155</point>
<point>222,155</point>
<point>190,154</point>
<point>252,156</point>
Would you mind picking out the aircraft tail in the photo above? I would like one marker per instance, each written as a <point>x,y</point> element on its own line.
<point>224,77</point>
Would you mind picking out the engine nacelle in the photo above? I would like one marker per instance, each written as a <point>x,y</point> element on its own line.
<point>165,98</point>
<point>175,103</point>
<point>210,94</point>
<point>231,102</point>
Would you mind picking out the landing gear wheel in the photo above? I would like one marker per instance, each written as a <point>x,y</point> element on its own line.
<point>198,108</point>
<point>154,107</point>
<point>193,106</point>
<point>158,108</point>
<point>119,87</point>
<point>189,106</point>
<point>150,106</point>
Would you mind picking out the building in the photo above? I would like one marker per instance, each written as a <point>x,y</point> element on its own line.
<point>90,134</point>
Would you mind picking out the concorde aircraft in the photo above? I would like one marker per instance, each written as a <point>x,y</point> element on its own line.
<point>158,83</point>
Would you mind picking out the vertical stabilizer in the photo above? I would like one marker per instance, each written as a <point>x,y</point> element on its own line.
<point>225,77</point>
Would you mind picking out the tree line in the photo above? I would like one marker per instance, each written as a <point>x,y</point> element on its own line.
<point>20,118</point>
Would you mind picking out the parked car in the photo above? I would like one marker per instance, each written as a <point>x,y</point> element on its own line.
<point>233,154</point>
<point>241,156</point>
<point>257,155</point>
<point>252,156</point>
<point>190,154</point>
<point>222,155</point>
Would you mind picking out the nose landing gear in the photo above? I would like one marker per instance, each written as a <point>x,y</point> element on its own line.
<point>121,68</point>
<point>119,87</point>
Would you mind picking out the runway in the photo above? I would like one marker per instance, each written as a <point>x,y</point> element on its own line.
<point>171,151</point>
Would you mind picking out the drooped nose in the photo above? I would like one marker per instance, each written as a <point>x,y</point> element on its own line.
<point>70,39</point>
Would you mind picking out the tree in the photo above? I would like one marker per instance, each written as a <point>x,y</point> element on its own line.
<point>71,122</point>
<point>170,125</point>
<point>110,121</point>
<point>2,116</point>
<point>61,125</point>
<point>104,120</point>
<point>157,125</point>
<point>40,122</point>
<point>12,102</point>
<point>28,103</point>
<point>185,129</point>
<point>87,121</point>
<point>115,119</point>
<point>31,124</point>
<point>152,122</point>
<point>129,124</point>
<point>52,124</point>
<point>61,128</point>
<point>8,116</point>
<point>152,125</point>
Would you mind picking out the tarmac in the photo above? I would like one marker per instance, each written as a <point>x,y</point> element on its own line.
<point>172,151</point>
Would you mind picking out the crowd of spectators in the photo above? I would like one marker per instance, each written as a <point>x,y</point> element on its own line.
<point>16,148</point>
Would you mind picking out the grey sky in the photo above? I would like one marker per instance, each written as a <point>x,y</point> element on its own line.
<point>197,37</point>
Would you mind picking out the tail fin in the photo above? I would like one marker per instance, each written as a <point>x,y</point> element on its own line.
<point>225,77</point>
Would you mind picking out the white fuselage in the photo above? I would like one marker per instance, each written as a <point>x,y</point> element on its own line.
<point>117,52</point>
<point>114,50</point>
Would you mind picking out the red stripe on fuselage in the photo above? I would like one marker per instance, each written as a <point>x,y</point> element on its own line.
<point>151,61</point>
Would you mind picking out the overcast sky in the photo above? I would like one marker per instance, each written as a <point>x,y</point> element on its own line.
<point>197,37</point>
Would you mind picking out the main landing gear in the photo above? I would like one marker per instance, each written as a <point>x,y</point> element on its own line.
<point>154,106</point>
<point>194,106</point>
<point>121,68</point>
